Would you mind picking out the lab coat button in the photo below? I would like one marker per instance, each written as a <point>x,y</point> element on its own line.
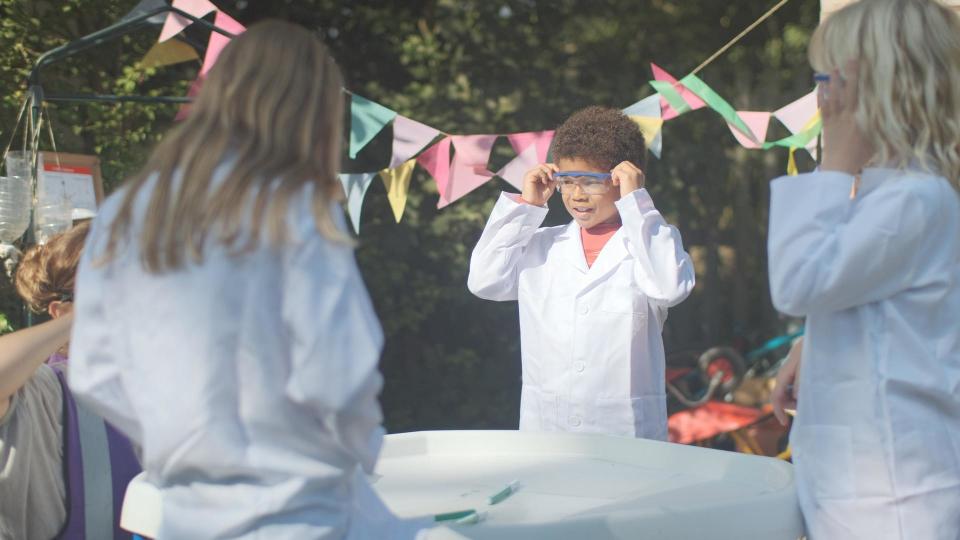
<point>574,421</point>
<point>584,310</point>
<point>579,366</point>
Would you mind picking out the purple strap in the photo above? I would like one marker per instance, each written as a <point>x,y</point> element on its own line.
<point>72,463</point>
<point>124,466</point>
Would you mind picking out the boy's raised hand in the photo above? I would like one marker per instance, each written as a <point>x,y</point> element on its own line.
<point>629,177</point>
<point>538,184</point>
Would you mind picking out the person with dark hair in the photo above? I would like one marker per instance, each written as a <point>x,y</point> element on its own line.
<point>593,294</point>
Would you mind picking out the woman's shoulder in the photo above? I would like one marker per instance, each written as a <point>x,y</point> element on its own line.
<point>928,190</point>
<point>42,396</point>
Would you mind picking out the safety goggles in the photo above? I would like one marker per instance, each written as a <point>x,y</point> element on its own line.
<point>591,183</point>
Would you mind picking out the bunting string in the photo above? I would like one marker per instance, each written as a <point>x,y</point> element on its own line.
<point>415,143</point>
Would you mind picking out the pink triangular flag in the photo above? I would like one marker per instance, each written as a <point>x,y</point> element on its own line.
<point>513,171</point>
<point>796,115</point>
<point>191,93</point>
<point>436,160</point>
<point>218,41</point>
<point>757,121</point>
<point>409,137</point>
<point>692,99</point>
<point>542,140</point>
<point>174,24</point>
<point>468,170</point>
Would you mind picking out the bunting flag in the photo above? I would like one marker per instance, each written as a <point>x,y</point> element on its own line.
<point>436,160</point>
<point>539,139</point>
<point>532,148</point>
<point>468,170</point>
<point>796,117</point>
<point>191,93</point>
<point>758,122</point>
<point>514,170</point>
<point>679,102</point>
<point>672,94</point>
<point>792,163</point>
<point>355,187</point>
<point>801,138</point>
<point>409,137</point>
<point>647,113</point>
<point>717,103</point>
<point>367,119</point>
<point>175,23</point>
<point>218,41</point>
<point>168,53</point>
<point>397,182</point>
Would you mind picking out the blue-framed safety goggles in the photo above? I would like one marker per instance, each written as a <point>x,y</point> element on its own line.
<point>592,183</point>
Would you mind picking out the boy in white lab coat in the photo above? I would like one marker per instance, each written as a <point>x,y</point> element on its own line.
<point>593,294</point>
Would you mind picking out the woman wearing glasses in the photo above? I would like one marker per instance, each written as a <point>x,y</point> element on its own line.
<point>593,294</point>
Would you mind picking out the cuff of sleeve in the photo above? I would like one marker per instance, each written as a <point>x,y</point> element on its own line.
<point>637,203</point>
<point>518,199</point>
<point>511,208</point>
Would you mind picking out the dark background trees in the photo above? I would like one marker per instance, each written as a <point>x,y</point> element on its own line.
<point>452,360</point>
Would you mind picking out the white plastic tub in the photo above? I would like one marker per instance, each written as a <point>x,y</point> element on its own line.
<point>577,487</point>
<point>587,487</point>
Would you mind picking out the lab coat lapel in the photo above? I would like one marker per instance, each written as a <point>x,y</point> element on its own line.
<point>609,258</point>
<point>570,245</point>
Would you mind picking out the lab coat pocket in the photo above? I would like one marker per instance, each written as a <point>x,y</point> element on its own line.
<point>824,456</point>
<point>539,410</point>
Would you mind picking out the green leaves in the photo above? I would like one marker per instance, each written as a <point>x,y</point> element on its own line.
<point>4,325</point>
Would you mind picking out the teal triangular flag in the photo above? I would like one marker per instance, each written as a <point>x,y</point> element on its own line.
<point>367,118</point>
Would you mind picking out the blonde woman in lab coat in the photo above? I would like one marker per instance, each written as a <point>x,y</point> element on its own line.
<point>221,321</point>
<point>877,274</point>
<point>593,294</point>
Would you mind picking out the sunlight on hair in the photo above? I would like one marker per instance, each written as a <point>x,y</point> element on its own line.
<point>908,57</point>
<point>271,112</point>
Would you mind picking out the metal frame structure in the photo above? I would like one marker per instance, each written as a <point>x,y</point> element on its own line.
<point>138,19</point>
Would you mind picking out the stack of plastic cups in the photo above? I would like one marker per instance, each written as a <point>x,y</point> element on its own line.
<point>16,198</point>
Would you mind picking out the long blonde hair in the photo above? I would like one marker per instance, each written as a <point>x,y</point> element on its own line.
<point>272,107</point>
<point>908,57</point>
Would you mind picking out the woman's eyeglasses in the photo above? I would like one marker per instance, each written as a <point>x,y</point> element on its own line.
<point>591,183</point>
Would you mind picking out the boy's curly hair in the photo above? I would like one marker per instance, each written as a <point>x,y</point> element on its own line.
<point>47,271</point>
<point>602,136</point>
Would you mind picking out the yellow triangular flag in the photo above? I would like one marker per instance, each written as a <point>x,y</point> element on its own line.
<point>791,161</point>
<point>649,127</point>
<point>397,182</point>
<point>167,53</point>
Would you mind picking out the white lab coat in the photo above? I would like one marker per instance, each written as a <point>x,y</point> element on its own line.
<point>591,345</point>
<point>250,382</point>
<point>876,439</point>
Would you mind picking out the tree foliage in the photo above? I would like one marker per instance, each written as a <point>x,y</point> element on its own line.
<point>452,360</point>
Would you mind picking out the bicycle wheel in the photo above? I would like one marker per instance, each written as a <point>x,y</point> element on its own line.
<point>726,360</point>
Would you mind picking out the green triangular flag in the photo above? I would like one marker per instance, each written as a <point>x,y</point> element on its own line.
<point>717,103</point>
<point>367,118</point>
